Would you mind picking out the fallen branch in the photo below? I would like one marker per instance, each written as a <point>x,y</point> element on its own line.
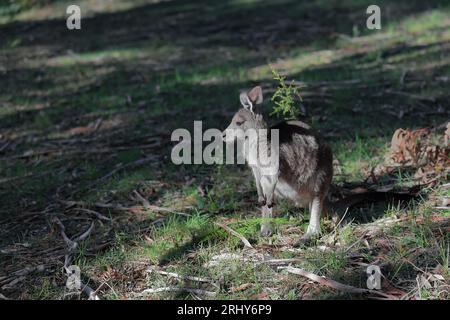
<point>19,275</point>
<point>228,229</point>
<point>85,234</point>
<point>190,278</point>
<point>334,284</point>
<point>225,257</point>
<point>71,246</point>
<point>146,204</point>
<point>373,228</point>
<point>144,201</point>
<point>275,262</point>
<point>355,243</point>
<point>95,213</point>
<point>176,289</point>
<point>119,207</point>
<point>13,282</point>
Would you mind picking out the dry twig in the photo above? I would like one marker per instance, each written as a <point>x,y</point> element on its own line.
<point>228,229</point>
<point>190,278</point>
<point>334,284</point>
<point>71,246</point>
<point>176,289</point>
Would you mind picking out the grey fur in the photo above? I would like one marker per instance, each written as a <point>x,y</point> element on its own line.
<point>304,171</point>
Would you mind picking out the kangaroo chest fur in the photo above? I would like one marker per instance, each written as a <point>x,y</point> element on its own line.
<point>284,190</point>
<point>300,195</point>
<point>301,172</point>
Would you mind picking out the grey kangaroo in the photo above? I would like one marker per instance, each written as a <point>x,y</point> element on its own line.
<point>304,169</point>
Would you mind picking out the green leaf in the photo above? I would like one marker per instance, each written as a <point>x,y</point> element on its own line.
<point>284,98</point>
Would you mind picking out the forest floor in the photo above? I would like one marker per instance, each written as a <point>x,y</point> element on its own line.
<point>85,124</point>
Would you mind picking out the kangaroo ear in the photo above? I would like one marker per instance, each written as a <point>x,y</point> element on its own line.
<point>256,95</point>
<point>245,101</point>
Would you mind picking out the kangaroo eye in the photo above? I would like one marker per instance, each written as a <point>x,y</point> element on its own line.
<point>239,122</point>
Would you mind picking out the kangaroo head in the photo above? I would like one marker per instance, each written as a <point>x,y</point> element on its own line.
<point>246,117</point>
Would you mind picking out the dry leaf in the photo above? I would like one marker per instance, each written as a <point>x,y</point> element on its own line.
<point>242,287</point>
